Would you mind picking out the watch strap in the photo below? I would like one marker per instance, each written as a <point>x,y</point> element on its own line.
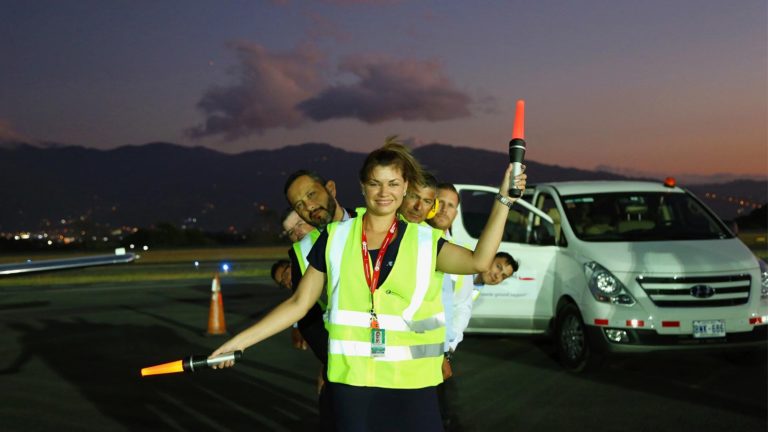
<point>504,200</point>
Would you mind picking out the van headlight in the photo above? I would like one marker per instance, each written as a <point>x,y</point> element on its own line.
<point>606,287</point>
<point>763,279</point>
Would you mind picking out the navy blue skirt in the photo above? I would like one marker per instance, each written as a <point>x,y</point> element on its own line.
<point>381,409</point>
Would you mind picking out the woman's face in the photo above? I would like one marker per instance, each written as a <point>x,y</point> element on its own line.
<point>384,190</point>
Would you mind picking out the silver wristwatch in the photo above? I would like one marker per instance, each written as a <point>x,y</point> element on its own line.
<point>504,200</point>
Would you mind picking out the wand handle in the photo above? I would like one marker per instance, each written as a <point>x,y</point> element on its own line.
<point>193,363</point>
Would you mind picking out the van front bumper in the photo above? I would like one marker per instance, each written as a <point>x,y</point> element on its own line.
<point>640,340</point>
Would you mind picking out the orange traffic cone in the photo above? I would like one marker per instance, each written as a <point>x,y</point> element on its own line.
<point>216,324</point>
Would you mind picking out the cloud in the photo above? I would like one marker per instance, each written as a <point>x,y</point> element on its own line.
<point>322,27</point>
<point>9,134</point>
<point>269,88</point>
<point>286,90</point>
<point>389,89</point>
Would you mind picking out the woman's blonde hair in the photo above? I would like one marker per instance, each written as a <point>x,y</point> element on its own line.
<point>393,153</point>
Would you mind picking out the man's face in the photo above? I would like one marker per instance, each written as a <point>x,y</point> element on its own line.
<point>283,276</point>
<point>417,203</point>
<point>295,227</point>
<point>500,270</point>
<point>449,203</point>
<point>312,201</point>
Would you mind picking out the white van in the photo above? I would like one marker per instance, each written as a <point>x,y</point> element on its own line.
<point>618,266</point>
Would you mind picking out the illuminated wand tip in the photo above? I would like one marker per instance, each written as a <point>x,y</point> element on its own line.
<point>165,368</point>
<point>518,128</point>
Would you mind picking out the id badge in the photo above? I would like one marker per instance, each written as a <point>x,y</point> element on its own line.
<point>378,340</point>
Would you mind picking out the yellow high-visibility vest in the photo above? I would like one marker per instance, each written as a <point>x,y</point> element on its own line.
<point>408,306</point>
<point>301,248</point>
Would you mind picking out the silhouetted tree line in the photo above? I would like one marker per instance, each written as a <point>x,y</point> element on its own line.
<point>161,235</point>
<point>755,220</point>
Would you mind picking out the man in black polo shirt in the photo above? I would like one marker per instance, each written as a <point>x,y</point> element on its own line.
<point>314,200</point>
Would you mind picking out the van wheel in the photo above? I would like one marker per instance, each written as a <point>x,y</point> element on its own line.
<point>573,347</point>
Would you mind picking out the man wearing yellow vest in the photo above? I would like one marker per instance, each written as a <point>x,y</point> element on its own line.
<point>294,227</point>
<point>314,201</point>
<point>421,203</point>
<point>420,200</point>
<point>459,290</point>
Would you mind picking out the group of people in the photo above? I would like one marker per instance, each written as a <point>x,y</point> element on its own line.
<point>380,294</point>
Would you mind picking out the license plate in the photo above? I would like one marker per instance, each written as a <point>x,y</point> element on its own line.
<point>709,328</point>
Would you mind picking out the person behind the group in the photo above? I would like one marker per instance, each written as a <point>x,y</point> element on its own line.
<point>419,199</point>
<point>504,266</point>
<point>466,287</point>
<point>449,200</point>
<point>385,345</point>
<point>314,200</point>
<point>294,227</point>
<point>281,274</point>
<point>460,289</point>
<point>443,220</point>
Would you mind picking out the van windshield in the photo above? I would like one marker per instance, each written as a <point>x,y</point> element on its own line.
<point>646,216</point>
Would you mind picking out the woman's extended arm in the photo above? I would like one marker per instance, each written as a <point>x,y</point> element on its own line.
<point>281,317</point>
<point>458,260</point>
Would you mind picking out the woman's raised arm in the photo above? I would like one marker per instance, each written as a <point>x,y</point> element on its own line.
<point>458,260</point>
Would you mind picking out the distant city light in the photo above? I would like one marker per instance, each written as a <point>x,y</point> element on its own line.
<point>225,268</point>
<point>146,248</point>
<point>197,264</point>
<point>50,242</point>
<point>132,246</point>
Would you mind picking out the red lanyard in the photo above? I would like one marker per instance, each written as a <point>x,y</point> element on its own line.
<point>373,280</point>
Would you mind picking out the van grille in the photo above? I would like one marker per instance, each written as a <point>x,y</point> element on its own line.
<point>698,291</point>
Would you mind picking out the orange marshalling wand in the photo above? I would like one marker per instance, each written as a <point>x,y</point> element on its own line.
<point>190,364</point>
<point>517,145</point>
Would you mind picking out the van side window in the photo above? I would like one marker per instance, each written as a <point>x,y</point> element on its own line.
<point>475,208</point>
<point>545,233</point>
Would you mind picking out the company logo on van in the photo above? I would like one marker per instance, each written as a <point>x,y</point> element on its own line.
<point>702,291</point>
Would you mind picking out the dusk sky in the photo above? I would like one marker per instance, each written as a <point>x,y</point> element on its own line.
<point>653,86</point>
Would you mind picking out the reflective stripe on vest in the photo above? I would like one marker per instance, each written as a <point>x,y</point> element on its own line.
<point>393,353</point>
<point>475,294</point>
<point>458,280</point>
<point>424,272</point>
<point>389,322</point>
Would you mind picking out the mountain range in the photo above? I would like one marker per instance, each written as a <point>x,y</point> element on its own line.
<point>162,182</point>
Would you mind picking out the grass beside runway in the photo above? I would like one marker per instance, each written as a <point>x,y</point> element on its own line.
<point>155,266</point>
<point>178,264</point>
<point>756,240</point>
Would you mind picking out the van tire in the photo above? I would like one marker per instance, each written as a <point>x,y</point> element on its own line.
<point>573,347</point>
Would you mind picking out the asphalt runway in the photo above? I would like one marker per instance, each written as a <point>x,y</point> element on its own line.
<point>70,357</point>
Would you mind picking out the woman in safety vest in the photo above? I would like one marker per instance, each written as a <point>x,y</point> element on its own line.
<point>385,316</point>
